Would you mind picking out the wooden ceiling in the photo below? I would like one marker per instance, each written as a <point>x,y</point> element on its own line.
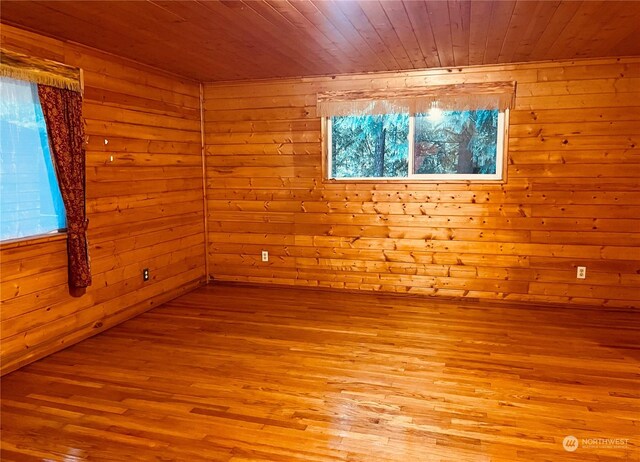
<point>231,40</point>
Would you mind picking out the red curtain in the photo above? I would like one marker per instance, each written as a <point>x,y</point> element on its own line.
<point>63,114</point>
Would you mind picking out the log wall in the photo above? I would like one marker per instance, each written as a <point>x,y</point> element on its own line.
<point>571,198</point>
<point>145,207</point>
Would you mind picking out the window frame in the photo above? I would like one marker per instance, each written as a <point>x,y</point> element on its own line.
<point>35,239</point>
<point>500,177</point>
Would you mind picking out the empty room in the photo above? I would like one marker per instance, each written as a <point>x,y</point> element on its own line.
<point>313,230</point>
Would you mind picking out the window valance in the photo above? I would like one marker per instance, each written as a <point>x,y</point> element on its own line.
<point>41,71</point>
<point>467,96</point>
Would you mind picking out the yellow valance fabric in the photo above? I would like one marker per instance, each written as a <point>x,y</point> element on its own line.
<point>37,70</point>
<point>467,96</point>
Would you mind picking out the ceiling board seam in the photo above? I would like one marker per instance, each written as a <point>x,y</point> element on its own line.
<point>552,46</point>
<point>375,31</point>
<point>357,32</point>
<point>506,35</point>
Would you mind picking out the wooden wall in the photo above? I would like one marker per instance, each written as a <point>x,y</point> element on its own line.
<point>145,207</point>
<point>572,196</point>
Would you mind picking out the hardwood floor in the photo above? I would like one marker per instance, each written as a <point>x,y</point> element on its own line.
<point>239,373</point>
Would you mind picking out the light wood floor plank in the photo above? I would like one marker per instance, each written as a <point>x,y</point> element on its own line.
<point>254,373</point>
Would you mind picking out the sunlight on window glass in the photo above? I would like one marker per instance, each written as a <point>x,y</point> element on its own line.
<point>30,201</point>
<point>456,142</point>
<point>435,115</point>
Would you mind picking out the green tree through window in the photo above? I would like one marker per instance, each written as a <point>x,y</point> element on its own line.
<point>436,145</point>
<point>463,142</point>
<point>370,146</point>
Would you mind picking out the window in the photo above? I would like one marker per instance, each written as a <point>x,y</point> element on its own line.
<point>442,135</point>
<point>30,200</point>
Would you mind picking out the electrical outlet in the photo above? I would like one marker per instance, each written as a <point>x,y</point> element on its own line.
<point>145,274</point>
<point>581,273</point>
<point>265,255</point>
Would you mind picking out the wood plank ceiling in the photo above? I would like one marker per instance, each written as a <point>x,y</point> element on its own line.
<point>233,40</point>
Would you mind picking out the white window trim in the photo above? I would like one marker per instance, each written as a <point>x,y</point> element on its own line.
<point>501,155</point>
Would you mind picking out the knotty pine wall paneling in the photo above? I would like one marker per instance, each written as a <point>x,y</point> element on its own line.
<point>145,207</point>
<point>572,196</point>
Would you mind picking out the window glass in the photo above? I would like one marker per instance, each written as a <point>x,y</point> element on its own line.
<point>456,142</point>
<point>370,146</point>
<point>30,201</point>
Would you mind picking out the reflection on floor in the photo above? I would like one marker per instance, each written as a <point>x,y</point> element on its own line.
<point>239,373</point>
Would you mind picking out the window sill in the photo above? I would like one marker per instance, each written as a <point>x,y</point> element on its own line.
<point>33,240</point>
<point>409,181</point>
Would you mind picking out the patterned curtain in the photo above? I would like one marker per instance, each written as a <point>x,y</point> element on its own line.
<point>62,110</point>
